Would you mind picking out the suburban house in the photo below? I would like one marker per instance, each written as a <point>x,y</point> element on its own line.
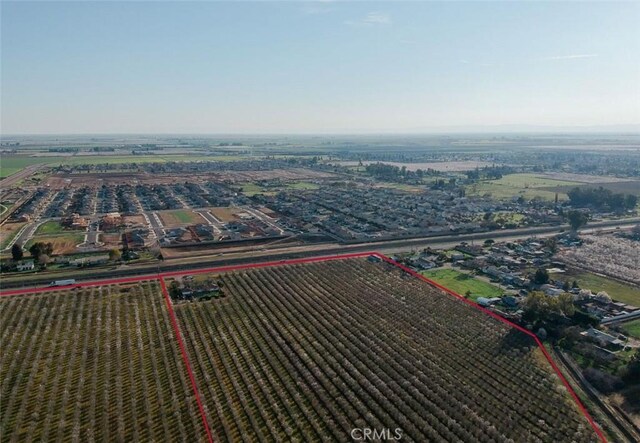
<point>602,337</point>
<point>25,266</point>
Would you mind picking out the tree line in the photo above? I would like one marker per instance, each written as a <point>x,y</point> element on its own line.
<point>602,199</point>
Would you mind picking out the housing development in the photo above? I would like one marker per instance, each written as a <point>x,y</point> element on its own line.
<point>273,290</point>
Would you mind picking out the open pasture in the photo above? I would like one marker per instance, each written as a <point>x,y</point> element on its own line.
<point>528,186</point>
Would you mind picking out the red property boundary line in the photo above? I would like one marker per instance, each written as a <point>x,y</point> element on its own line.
<point>383,257</point>
<point>573,394</point>
<point>185,359</point>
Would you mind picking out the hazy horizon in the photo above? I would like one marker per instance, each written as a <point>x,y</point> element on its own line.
<point>319,68</point>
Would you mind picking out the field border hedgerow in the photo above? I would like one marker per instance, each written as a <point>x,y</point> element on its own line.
<point>176,327</point>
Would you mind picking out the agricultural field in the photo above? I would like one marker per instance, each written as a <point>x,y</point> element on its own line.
<point>180,217</point>
<point>608,255</point>
<point>308,352</point>
<point>11,164</point>
<point>93,364</point>
<point>460,283</point>
<point>528,186</point>
<point>14,163</point>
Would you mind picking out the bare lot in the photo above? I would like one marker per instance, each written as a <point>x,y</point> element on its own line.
<point>180,217</point>
<point>135,220</point>
<point>111,240</point>
<point>62,244</point>
<point>226,214</point>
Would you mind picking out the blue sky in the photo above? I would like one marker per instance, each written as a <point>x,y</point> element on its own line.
<point>306,67</point>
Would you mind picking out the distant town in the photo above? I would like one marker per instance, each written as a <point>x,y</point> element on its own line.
<point>547,238</point>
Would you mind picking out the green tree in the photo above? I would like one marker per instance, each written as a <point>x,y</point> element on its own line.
<point>552,244</point>
<point>175,291</point>
<point>40,248</point>
<point>630,201</point>
<point>541,277</point>
<point>577,219</point>
<point>44,260</point>
<point>16,252</point>
<point>632,371</point>
<point>565,304</point>
<point>114,255</point>
<point>538,306</point>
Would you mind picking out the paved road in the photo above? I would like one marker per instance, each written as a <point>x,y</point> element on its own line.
<point>91,235</point>
<point>258,254</point>
<point>263,217</point>
<point>25,234</point>
<point>213,221</point>
<point>155,223</point>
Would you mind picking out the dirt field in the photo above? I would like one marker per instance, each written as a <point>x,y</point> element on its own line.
<point>7,232</point>
<point>225,214</point>
<point>62,244</point>
<point>134,220</point>
<point>180,217</point>
<point>268,212</point>
<point>111,240</point>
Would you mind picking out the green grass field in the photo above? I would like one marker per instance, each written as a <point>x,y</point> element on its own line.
<point>401,186</point>
<point>302,185</point>
<point>11,164</point>
<point>50,228</point>
<point>516,185</point>
<point>461,283</point>
<point>251,189</point>
<point>616,290</point>
<point>185,216</point>
<point>632,328</point>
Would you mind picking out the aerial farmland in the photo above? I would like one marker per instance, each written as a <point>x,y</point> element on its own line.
<point>287,352</point>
